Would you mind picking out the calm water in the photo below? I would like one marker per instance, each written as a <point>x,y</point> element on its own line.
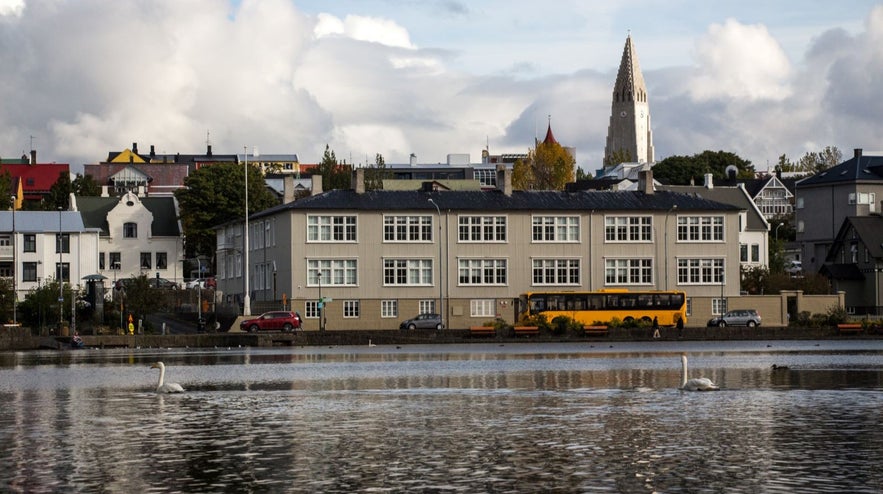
<point>453,418</point>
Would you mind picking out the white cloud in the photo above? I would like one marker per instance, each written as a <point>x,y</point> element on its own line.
<point>11,7</point>
<point>737,61</point>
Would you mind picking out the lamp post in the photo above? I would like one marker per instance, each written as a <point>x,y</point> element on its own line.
<point>60,277</point>
<point>14,268</point>
<point>674,207</point>
<point>441,300</point>
<point>777,230</point>
<point>321,303</point>
<point>723,301</point>
<point>246,299</point>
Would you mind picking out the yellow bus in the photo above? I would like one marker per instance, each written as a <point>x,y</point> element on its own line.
<point>669,308</point>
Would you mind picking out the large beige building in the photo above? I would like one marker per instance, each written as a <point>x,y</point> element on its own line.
<point>378,257</point>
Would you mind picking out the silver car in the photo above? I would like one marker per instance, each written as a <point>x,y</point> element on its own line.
<point>423,321</point>
<point>740,317</point>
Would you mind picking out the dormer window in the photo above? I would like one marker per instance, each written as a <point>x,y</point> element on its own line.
<point>130,230</point>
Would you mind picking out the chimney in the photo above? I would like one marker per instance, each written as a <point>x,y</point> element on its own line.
<point>645,182</point>
<point>316,186</point>
<point>135,147</point>
<point>287,189</point>
<point>413,159</point>
<point>104,191</point>
<point>504,180</point>
<point>359,180</point>
<point>857,151</point>
<point>208,149</point>
<point>152,152</point>
<point>34,156</point>
<point>709,181</point>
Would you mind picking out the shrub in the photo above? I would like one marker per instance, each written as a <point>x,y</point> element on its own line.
<point>565,324</point>
<point>836,315</point>
<point>538,320</point>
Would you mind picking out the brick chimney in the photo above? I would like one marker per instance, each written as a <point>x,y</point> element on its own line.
<point>359,180</point>
<point>645,181</point>
<point>287,189</point>
<point>135,147</point>
<point>857,153</point>
<point>504,180</point>
<point>316,186</point>
<point>34,156</point>
<point>709,181</point>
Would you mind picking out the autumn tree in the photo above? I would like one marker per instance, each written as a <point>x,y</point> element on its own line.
<point>334,175</point>
<point>214,195</point>
<point>547,167</point>
<point>682,170</point>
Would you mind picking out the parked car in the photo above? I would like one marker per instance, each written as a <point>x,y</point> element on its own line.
<point>202,283</point>
<point>423,321</point>
<point>285,321</point>
<point>793,268</point>
<point>740,317</point>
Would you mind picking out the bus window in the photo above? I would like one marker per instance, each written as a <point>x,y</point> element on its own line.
<point>596,302</point>
<point>645,300</point>
<point>537,304</point>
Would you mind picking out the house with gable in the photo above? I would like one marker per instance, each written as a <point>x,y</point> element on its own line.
<point>138,235</point>
<point>33,179</point>
<point>855,264</point>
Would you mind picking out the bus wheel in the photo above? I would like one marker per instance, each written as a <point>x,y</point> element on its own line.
<point>629,320</point>
<point>646,320</point>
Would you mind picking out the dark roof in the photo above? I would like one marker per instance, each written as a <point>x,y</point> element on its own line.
<point>495,200</point>
<point>869,229</point>
<point>842,272</point>
<point>734,195</point>
<point>165,218</point>
<point>858,168</point>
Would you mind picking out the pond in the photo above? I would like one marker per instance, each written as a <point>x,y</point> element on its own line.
<point>514,417</point>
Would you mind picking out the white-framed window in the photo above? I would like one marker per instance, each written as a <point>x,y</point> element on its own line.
<point>350,309</point>
<point>700,271</point>
<point>628,229</point>
<point>336,272</point>
<point>555,228</point>
<point>331,228</point>
<point>130,230</point>
<point>485,177</point>
<point>700,228</point>
<point>755,253</point>
<point>482,228</point>
<point>556,271</point>
<point>403,272</point>
<point>689,308</point>
<point>628,271</point>
<point>482,308</point>
<point>407,228</point>
<point>718,306</point>
<point>482,271</point>
<point>270,232</point>
<point>800,226</point>
<point>799,202</point>
<point>389,308</point>
<point>311,309</point>
<point>426,306</point>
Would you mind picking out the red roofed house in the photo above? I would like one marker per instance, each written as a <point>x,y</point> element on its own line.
<point>36,178</point>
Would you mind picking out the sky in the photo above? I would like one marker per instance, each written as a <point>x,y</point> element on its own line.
<point>83,78</point>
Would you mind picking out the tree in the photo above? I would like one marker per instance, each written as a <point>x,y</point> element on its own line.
<point>6,191</point>
<point>582,175</point>
<point>621,155</point>
<point>85,185</point>
<point>376,174</point>
<point>548,167</point>
<point>682,170</point>
<point>39,309</point>
<point>59,193</point>
<point>812,162</point>
<point>214,195</point>
<point>334,175</point>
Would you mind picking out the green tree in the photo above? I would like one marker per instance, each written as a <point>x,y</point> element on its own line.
<point>376,174</point>
<point>616,157</point>
<point>682,170</point>
<point>6,191</point>
<point>813,162</point>
<point>334,175</point>
<point>547,167</point>
<point>582,174</point>
<point>39,308</point>
<point>214,195</point>
<point>85,185</point>
<point>59,193</point>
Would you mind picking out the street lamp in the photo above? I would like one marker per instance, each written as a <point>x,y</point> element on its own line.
<point>321,303</point>
<point>246,299</point>
<point>60,282</point>
<point>723,300</point>
<point>674,207</point>
<point>441,300</point>
<point>777,231</point>
<point>14,268</point>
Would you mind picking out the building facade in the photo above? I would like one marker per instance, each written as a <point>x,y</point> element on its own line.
<point>369,259</point>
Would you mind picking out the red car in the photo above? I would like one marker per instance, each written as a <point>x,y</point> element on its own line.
<point>285,321</point>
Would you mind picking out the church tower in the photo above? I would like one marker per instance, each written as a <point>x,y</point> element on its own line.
<point>629,138</point>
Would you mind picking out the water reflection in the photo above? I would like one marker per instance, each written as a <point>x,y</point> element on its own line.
<point>474,418</point>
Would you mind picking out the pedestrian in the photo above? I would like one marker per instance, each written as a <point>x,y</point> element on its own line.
<point>656,334</point>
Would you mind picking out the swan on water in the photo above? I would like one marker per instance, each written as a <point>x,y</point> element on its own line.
<point>164,387</point>
<point>697,383</point>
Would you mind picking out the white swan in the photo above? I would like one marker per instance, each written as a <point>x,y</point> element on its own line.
<point>697,383</point>
<point>162,387</point>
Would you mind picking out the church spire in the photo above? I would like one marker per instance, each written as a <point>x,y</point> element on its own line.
<point>629,137</point>
<point>550,138</point>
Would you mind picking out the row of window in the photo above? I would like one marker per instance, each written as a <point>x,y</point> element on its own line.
<point>495,272</point>
<point>351,309</point>
<point>418,228</point>
<point>146,260</point>
<point>29,271</point>
<point>29,242</point>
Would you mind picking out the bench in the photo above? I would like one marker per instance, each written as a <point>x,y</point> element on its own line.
<point>482,331</point>
<point>526,330</point>
<point>850,328</point>
<point>595,330</point>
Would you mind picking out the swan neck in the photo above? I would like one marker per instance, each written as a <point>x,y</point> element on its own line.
<point>683,371</point>
<point>162,375</point>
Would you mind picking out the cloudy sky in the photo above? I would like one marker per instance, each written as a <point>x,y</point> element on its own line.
<point>82,78</point>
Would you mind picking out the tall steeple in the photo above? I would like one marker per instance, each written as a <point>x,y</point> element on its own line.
<point>629,138</point>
